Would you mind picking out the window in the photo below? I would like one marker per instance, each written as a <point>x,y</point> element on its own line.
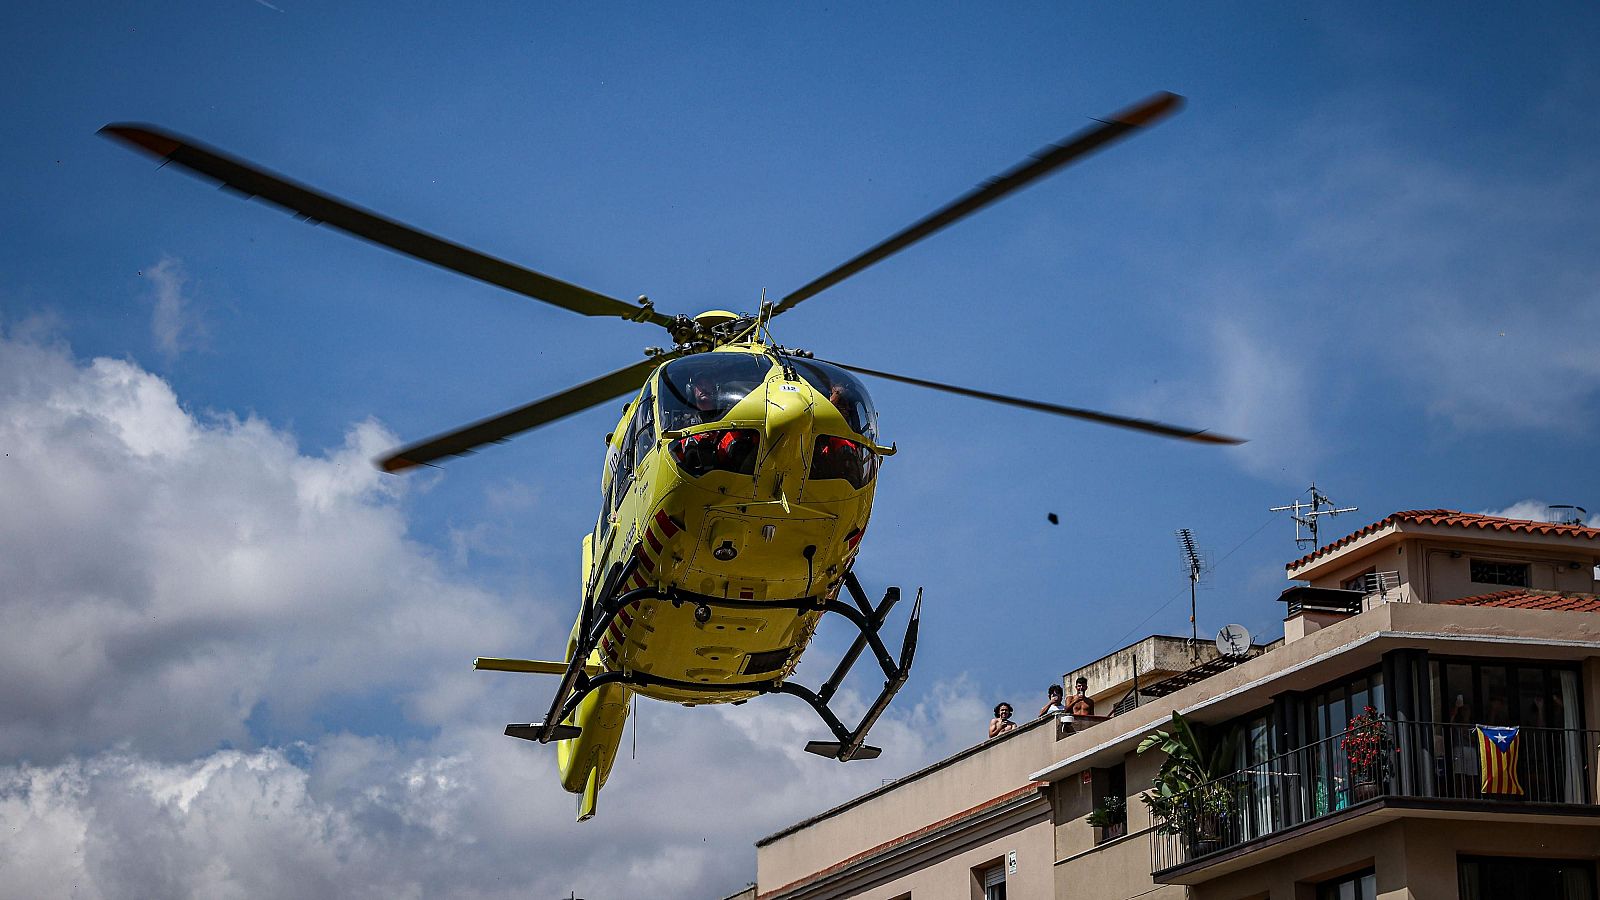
<point>1489,572</point>
<point>1260,782</point>
<point>1358,886</point>
<point>993,882</point>
<point>1359,582</point>
<point>1110,812</point>
<point>704,388</point>
<point>1504,878</point>
<point>1329,713</point>
<point>643,432</point>
<point>1542,700</point>
<point>845,392</point>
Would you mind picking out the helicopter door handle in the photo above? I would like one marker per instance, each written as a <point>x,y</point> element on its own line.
<point>890,450</point>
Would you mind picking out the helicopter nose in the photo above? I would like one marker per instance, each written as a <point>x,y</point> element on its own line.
<point>788,426</point>
<point>787,408</point>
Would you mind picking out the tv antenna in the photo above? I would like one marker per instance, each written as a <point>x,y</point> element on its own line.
<point>1305,516</point>
<point>1196,568</point>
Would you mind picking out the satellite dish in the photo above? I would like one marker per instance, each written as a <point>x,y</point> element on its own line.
<point>1233,641</point>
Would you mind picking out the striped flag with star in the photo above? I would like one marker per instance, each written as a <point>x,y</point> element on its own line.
<point>1497,759</point>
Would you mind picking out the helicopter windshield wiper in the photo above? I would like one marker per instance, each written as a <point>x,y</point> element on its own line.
<point>1046,161</point>
<point>1146,425</point>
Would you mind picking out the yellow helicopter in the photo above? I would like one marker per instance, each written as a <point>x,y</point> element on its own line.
<point>736,488</point>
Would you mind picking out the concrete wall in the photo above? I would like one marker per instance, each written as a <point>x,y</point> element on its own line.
<point>1116,869</point>
<point>1156,657</point>
<point>1444,578</point>
<point>1002,766</point>
<point>1414,858</point>
<point>1421,557</point>
<point>955,877</point>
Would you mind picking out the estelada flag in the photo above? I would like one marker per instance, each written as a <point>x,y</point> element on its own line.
<point>1497,759</point>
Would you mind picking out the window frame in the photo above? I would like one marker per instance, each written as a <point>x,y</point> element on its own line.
<point>1499,566</point>
<point>1329,890</point>
<point>1586,865</point>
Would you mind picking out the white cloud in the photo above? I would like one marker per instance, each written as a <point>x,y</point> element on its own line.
<point>1540,511</point>
<point>174,320</point>
<point>164,575</point>
<point>174,575</point>
<point>466,814</point>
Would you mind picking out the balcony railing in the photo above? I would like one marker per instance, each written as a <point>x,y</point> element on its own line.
<point>1388,759</point>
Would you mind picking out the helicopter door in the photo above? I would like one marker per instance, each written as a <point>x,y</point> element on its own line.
<point>644,433</point>
<point>639,440</point>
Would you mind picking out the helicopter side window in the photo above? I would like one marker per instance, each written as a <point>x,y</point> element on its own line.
<point>644,430</point>
<point>845,392</point>
<point>627,454</point>
<point>701,389</point>
<point>610,481</point>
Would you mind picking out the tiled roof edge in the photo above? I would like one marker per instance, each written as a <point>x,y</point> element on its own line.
<point>1451,518</point>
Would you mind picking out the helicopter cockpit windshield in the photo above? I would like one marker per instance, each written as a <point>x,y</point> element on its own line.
<point>845,392</point>
<point>701,389</point>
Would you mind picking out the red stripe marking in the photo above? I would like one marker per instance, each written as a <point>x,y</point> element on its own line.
<point>747,594</point>
<point>638,580</point>
<point>655,542</point>
<point>627,620</point>
<point>668,527</point>
<point>648,563</point>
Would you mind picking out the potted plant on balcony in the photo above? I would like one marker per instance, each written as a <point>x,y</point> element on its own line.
<point>1110,815</point>
<point>1193,796</point>
<point>1368,745</point>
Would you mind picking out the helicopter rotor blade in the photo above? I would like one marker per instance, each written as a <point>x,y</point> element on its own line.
<point>1043,163</point>
<point>1145,425</point>
<point>496,429</point>
<point>318,208</point>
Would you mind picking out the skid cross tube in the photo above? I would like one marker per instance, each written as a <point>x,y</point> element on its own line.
<point>576,684</point>
<point>853,743</point>
<point>875,618</point>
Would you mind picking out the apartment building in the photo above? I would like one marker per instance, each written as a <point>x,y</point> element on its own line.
<point>1347,757</point>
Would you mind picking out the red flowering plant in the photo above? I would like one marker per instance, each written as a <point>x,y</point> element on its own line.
<point>1367,743</point>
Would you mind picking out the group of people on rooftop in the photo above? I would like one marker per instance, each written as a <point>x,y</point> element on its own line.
<point>1079,704</point>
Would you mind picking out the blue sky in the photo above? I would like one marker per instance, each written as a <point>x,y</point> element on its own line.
<point>1369,244</point>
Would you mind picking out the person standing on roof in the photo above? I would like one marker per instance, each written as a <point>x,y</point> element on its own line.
<point>1053,705</point>
<point>1080,703</point>
<point>1001,723</point>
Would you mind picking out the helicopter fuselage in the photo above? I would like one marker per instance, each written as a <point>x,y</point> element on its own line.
<point>741,473</point>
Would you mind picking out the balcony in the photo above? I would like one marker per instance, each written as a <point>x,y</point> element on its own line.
<point>1384,765</point>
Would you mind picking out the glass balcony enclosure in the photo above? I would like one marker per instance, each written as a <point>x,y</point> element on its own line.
<point>1381,760</point>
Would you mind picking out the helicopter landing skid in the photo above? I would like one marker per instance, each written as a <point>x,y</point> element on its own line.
<point>577,683</point>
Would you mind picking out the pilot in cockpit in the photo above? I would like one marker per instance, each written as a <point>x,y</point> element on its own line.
<point>839,396</point>
<point>705,396</point>
<point>848,401</point>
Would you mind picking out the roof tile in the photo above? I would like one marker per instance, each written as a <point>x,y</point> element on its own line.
<point>1524,598</point>
<point>1457,519</point>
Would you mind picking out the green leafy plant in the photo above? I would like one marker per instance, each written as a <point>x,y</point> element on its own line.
<point>1111,811</point>
<point>1190,794</point>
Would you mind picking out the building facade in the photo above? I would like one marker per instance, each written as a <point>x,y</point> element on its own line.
<point>1343,762</point>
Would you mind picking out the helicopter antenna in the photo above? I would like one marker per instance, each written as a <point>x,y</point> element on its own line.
<point>1195,568</point>
<point>1305,516</point>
